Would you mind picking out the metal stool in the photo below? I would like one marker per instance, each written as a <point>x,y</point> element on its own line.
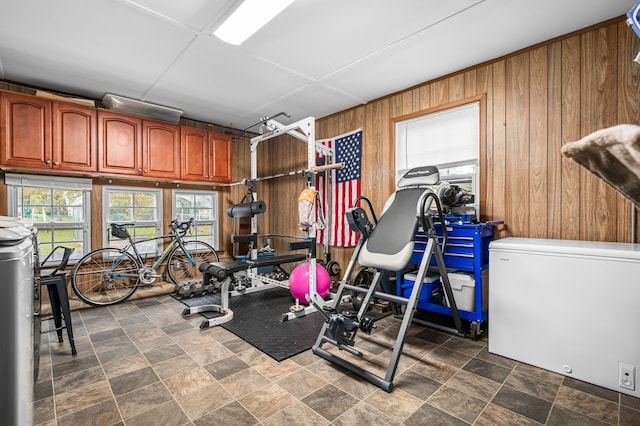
<point>56,283</point>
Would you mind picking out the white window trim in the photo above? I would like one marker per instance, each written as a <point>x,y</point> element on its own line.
<point>215,220</point>
<point>15,181</point>
<point>473,105</point>
<point>105,214</point>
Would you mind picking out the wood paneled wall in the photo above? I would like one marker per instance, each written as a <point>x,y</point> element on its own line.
<point>537,100</point>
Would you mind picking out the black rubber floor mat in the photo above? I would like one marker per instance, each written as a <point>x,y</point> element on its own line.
<point>257,320</point>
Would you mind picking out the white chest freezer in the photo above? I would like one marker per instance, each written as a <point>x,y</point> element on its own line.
<point>572,307</point>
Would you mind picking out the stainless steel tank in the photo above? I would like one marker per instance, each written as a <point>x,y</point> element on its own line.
<point>17,334</point>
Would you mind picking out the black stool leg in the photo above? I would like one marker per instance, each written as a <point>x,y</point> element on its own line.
<point>63,297</point>
<point>59,298</point>
<point>54,299</point>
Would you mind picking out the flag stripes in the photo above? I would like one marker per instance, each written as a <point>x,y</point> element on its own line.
<point>346,185</point>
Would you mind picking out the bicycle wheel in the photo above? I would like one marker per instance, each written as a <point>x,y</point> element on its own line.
<point>105,277</point>
<point>181,269</point>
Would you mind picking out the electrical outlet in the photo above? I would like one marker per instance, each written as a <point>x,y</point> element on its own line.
<point>627,377</point>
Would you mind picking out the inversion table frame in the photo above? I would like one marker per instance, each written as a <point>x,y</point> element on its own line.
<point>340,330</point>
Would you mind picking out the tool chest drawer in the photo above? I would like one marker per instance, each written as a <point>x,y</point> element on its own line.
<point>467,245</point>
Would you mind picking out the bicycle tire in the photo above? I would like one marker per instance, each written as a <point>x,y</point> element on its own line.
<point>180,270</point>
<point>95,281</point>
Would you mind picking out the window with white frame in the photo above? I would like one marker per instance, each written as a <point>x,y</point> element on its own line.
<point>141,207</point>
<point>59,208</point>
<point>202,206</point>
<point>447,138</point>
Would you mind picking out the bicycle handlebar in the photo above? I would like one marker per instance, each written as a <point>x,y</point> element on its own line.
<point>181,227</point>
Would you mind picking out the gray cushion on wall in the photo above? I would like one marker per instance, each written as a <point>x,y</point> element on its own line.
<point>612,154</point>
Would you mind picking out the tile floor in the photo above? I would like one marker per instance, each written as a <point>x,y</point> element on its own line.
<point>141,363</point>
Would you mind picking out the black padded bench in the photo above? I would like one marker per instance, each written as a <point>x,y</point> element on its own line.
<point>223,271</point>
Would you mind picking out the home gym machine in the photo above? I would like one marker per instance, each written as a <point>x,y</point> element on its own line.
<point>224,274</point>
<point>387,246</point>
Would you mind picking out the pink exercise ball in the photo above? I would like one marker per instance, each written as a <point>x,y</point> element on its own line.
<point>299,281</point>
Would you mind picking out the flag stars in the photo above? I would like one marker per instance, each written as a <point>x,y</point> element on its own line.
<point>348,151</point>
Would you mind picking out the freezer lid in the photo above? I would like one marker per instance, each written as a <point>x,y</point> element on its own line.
<point>567,247</point>
<point>13,230</point>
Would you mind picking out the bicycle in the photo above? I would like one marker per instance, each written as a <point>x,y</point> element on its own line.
<point>107,276</point>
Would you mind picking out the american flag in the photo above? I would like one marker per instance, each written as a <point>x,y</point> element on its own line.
<point>347,149</point>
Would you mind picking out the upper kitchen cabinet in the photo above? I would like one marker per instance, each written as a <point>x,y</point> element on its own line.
<point>74,138</point>
<point>43,134</point>
<point>120,143</point>
<point>36,133</point>
<point>221,159</point>
<point>134,146</point>
<point>206,156</point>
<point>160,150</point>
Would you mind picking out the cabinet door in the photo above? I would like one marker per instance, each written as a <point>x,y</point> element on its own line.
<point>195,154</point>
<point>221,157</point>
<point>74,138</point>
<point>119,143</point>
<point>25,131</point>
<point>160,150</point>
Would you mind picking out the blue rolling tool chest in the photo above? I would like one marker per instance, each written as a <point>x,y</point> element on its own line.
<point>466,256</point>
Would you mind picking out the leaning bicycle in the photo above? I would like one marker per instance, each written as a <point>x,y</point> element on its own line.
<point>107,276</point>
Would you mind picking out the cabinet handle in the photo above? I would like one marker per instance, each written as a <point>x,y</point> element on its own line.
<point>146,171</point>
<point>47,161</point>
<point>55,163</point>
<point>139,170</point>
<point>206,177</point>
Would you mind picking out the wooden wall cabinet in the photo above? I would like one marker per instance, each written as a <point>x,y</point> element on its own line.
<point>120,143</point>
<point>44,134</point>
<point>160,150</point>
<point>74,138</point>
<point>36,133</point>
<point>134,146</point>
<point>206,156</point>
<point>220,157</point>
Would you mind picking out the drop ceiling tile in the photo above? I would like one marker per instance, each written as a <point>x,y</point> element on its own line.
<point>319,38</point>
<point>313,100</point>
<point>211,72</point>
<point>101,40</point>
<point>461,42</point>
<point>58,75</point>
<point>197,14</point>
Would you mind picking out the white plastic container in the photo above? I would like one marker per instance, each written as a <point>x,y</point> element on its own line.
<point>463,286</point>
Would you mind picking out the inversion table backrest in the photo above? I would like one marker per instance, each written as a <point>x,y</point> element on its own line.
<point>390,245</point>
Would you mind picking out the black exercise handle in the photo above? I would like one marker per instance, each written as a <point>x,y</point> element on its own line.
<point>368,201</point>
<point>249,238</point>
<point>307,244</point>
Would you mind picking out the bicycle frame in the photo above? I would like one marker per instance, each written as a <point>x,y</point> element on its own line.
<point>176,239</point>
